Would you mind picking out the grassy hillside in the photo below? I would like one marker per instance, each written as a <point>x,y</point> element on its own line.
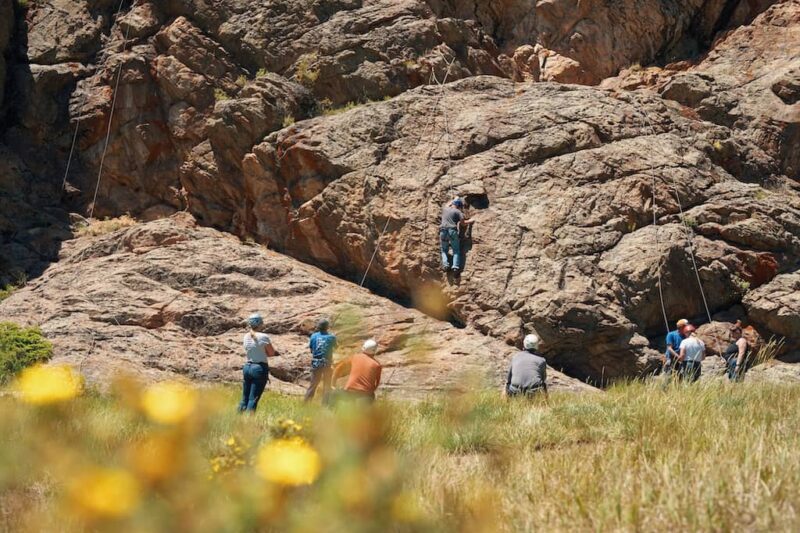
<point>704,457</point>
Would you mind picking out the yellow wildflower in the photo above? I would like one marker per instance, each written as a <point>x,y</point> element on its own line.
<point>156,457</point>
<point>288,462</point>
<point>105,493</point>
<point>169,402</point>
<point>48,384</point>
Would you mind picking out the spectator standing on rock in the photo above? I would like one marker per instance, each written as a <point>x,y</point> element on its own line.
<point>452,221</point>
<point>257,347</point>
<point>737,354</point>
<point>363,373</point>
<point>528,373</point>
<point>322,343</point>
<point>692,353</point>
<point>671,355</point>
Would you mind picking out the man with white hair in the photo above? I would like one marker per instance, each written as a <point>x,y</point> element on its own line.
<point>528,373</point>
<point>363,373</point>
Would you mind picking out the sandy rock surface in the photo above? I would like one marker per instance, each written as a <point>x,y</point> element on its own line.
<point>168,298</point>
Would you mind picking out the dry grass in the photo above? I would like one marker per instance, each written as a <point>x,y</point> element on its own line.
<point>102,227</point>
<point>707,457</point>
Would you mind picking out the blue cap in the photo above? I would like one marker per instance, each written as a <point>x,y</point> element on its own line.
<point>255,320</point>
<point>458,202</point>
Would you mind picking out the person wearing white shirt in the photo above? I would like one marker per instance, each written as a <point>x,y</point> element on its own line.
<point>257,347</point>
<point>692,353</point>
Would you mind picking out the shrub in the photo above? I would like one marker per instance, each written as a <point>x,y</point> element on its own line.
<point>305,73</point>
<point>741,284</point>
<point>262,73</point>
<point>241,81</point>
<point>8,289</point>
<point>220,95</point>
<point>288,121</point>
<point>20,348</point>
<point>102,227</point>
<point>328,109</point>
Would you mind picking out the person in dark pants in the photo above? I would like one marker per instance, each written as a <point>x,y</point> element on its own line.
<point>322,343</point>
<point>691,355</point>
<point>257,347</point>
<point>527,376</point>
<point>452,221</point>
<point>671,355</point>
<point>737,354</point>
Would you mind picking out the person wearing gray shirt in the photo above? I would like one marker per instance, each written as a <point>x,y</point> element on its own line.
<point>452,219</point>
<point>528,373</point>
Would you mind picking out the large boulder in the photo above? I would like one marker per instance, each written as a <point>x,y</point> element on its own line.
<point>168,298</point>
<point>585,41</point>
<point>776,305</point>
<point>562,180</point>
<point>750,82</point>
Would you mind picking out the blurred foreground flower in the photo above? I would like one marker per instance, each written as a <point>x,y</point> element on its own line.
<point>44,385</point>
<point>288,462</point>
<point>169,402</point>
<point>104,493</point>
<point>157,457</point>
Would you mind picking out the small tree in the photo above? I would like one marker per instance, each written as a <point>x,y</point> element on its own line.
<point>20,348</point>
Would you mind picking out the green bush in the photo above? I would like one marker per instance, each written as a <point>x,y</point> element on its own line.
<point>20,348</point>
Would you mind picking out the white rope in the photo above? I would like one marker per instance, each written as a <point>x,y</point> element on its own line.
<point>689,242</point>
<point>110,116</point>
<point>658,252</point>
<point>78,122</point>
<point>388,219</point>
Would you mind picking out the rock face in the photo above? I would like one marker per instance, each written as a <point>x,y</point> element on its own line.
<point>169,298</point>
<point>585,41</point>
<point>562,179</point>
<point>776,305</point>
<point>6,28</point>
<point>749,82</point>
<point>326,130</point>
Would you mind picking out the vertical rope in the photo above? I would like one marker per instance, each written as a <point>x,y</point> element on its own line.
<point>419,140</point>
<point>78,122</point>
<point>110,117</point>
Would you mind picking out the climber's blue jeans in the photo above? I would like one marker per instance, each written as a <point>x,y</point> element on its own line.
<point>255,381</point>
<point>448,238</point>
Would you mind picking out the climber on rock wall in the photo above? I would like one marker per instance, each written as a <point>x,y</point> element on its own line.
<point>453,220</point>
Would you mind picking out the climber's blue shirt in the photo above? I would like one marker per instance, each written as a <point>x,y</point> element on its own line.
<point>321,345</point>
<point>674,339</point>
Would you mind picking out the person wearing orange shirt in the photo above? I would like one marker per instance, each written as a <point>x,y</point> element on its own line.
<point>363,373</point>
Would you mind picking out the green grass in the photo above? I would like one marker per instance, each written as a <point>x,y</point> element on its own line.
<point>19,348</point>
<point>708,457</point>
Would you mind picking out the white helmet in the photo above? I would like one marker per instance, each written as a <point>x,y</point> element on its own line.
<point>370,347</point>
<point>531,341</point>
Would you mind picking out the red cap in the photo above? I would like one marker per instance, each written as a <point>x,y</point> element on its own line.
<point>689,329</point>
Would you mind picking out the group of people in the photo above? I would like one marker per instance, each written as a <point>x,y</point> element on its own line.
<point>527,375</point>
<point>685,352</point>
<point>362,370</point>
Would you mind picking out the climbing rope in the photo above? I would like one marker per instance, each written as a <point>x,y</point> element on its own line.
<point>690,245</point>
<point>78,122</point>
<point>111,115</point>
<point>419,140</point>
<point>658,252</point>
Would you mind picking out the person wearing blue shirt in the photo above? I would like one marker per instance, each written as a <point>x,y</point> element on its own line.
<point>322,344</point>
<point>671,355</point>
